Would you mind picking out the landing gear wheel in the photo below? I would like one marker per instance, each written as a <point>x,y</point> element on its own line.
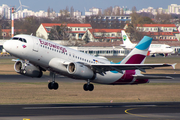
<point>50,86</point>
<point>89,87</point>
<point>85,87</point>
<point>56,86</point>
<point>53,85</point>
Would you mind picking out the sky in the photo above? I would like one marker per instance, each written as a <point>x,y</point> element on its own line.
<point>81,5</point>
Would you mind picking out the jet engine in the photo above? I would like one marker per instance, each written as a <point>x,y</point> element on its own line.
<point>27,69</point>
<point>80,71</point>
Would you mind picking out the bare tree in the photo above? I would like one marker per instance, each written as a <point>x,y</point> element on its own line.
<point>65,12</point>
<point>72,12</point>
<point>108,11</point>
<point>163,18</point>
<point>59,33</point>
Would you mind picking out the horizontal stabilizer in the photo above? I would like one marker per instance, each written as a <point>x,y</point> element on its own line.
<point>174,65</point>
<point>151,77</point>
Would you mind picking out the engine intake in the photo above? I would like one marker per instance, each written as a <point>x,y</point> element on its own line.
<point>27,69</point>
<point>80,71</point>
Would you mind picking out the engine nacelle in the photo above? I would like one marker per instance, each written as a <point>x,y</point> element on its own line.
<point>80,71</point>
<point>27,69</point>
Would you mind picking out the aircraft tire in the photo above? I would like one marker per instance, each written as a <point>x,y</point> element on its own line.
<point>50,86</point>
<point>53,85</point>
<point>85,87</point>
<point>89,87</point>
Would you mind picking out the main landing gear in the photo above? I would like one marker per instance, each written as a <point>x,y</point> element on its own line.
<point>88,86</point>
<point>53,85</point>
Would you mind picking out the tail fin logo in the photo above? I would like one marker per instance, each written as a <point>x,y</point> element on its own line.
<point>124,37</point>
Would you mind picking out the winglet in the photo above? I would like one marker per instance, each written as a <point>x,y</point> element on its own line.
<point>174,65</point>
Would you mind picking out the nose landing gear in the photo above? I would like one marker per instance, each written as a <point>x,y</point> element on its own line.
<point>53,85</point>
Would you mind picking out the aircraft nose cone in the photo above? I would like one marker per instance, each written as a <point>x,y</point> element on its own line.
<point>6,46</point>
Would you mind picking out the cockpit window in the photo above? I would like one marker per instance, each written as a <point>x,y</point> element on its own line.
<point>24,40</point>
<point>20,39</point>
<point>15,38</point>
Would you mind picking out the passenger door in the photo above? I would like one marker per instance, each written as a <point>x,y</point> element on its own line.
<point>35,44</point>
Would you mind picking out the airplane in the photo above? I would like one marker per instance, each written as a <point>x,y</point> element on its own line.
<point>153,50</point>
<point>37,55</point>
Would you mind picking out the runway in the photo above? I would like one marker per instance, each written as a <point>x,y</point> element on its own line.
<point>100,111</point>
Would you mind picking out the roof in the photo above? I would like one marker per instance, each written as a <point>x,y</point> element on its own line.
<point>69,24</point>
<point>103,44</point>
<point>9,30</point>
<point>117,43</point>
<point>105,30</point>
<point>160,33</point>
<point>156,25</point>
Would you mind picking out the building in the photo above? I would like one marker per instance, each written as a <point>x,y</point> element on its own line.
<point>93,11</point>
<point>76,30</point>
<point>163,32</point>
<point>6,33</point>
<point>157,28</point>
<point>174,9</point>
<point>103,51</point>
<point>5,11</point>
<point>100,35</point>
<point>108,21</point>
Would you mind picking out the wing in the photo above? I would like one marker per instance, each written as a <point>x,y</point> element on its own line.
<point>102,68</point>
<point>151,77</point>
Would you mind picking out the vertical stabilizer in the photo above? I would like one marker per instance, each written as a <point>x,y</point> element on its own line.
<point>139,53</point>
<point>125,38</point>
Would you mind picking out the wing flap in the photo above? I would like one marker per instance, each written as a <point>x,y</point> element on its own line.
<point>151,77</point>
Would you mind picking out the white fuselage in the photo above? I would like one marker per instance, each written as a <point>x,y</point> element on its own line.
<point>154,48</point>
<point>160,48</point>
<point>53,57</point>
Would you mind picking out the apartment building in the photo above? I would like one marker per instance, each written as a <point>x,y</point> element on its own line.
<point>76,30</point>
<point>163,32</point>
<point>100,35</point>
<point>6,33</point>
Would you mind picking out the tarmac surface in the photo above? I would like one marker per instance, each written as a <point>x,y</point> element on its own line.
<point>99,111</point>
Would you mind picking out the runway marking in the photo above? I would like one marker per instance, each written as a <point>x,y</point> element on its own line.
<point>126,111</point>
<point>139,105</point>
<point>61,107</point>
